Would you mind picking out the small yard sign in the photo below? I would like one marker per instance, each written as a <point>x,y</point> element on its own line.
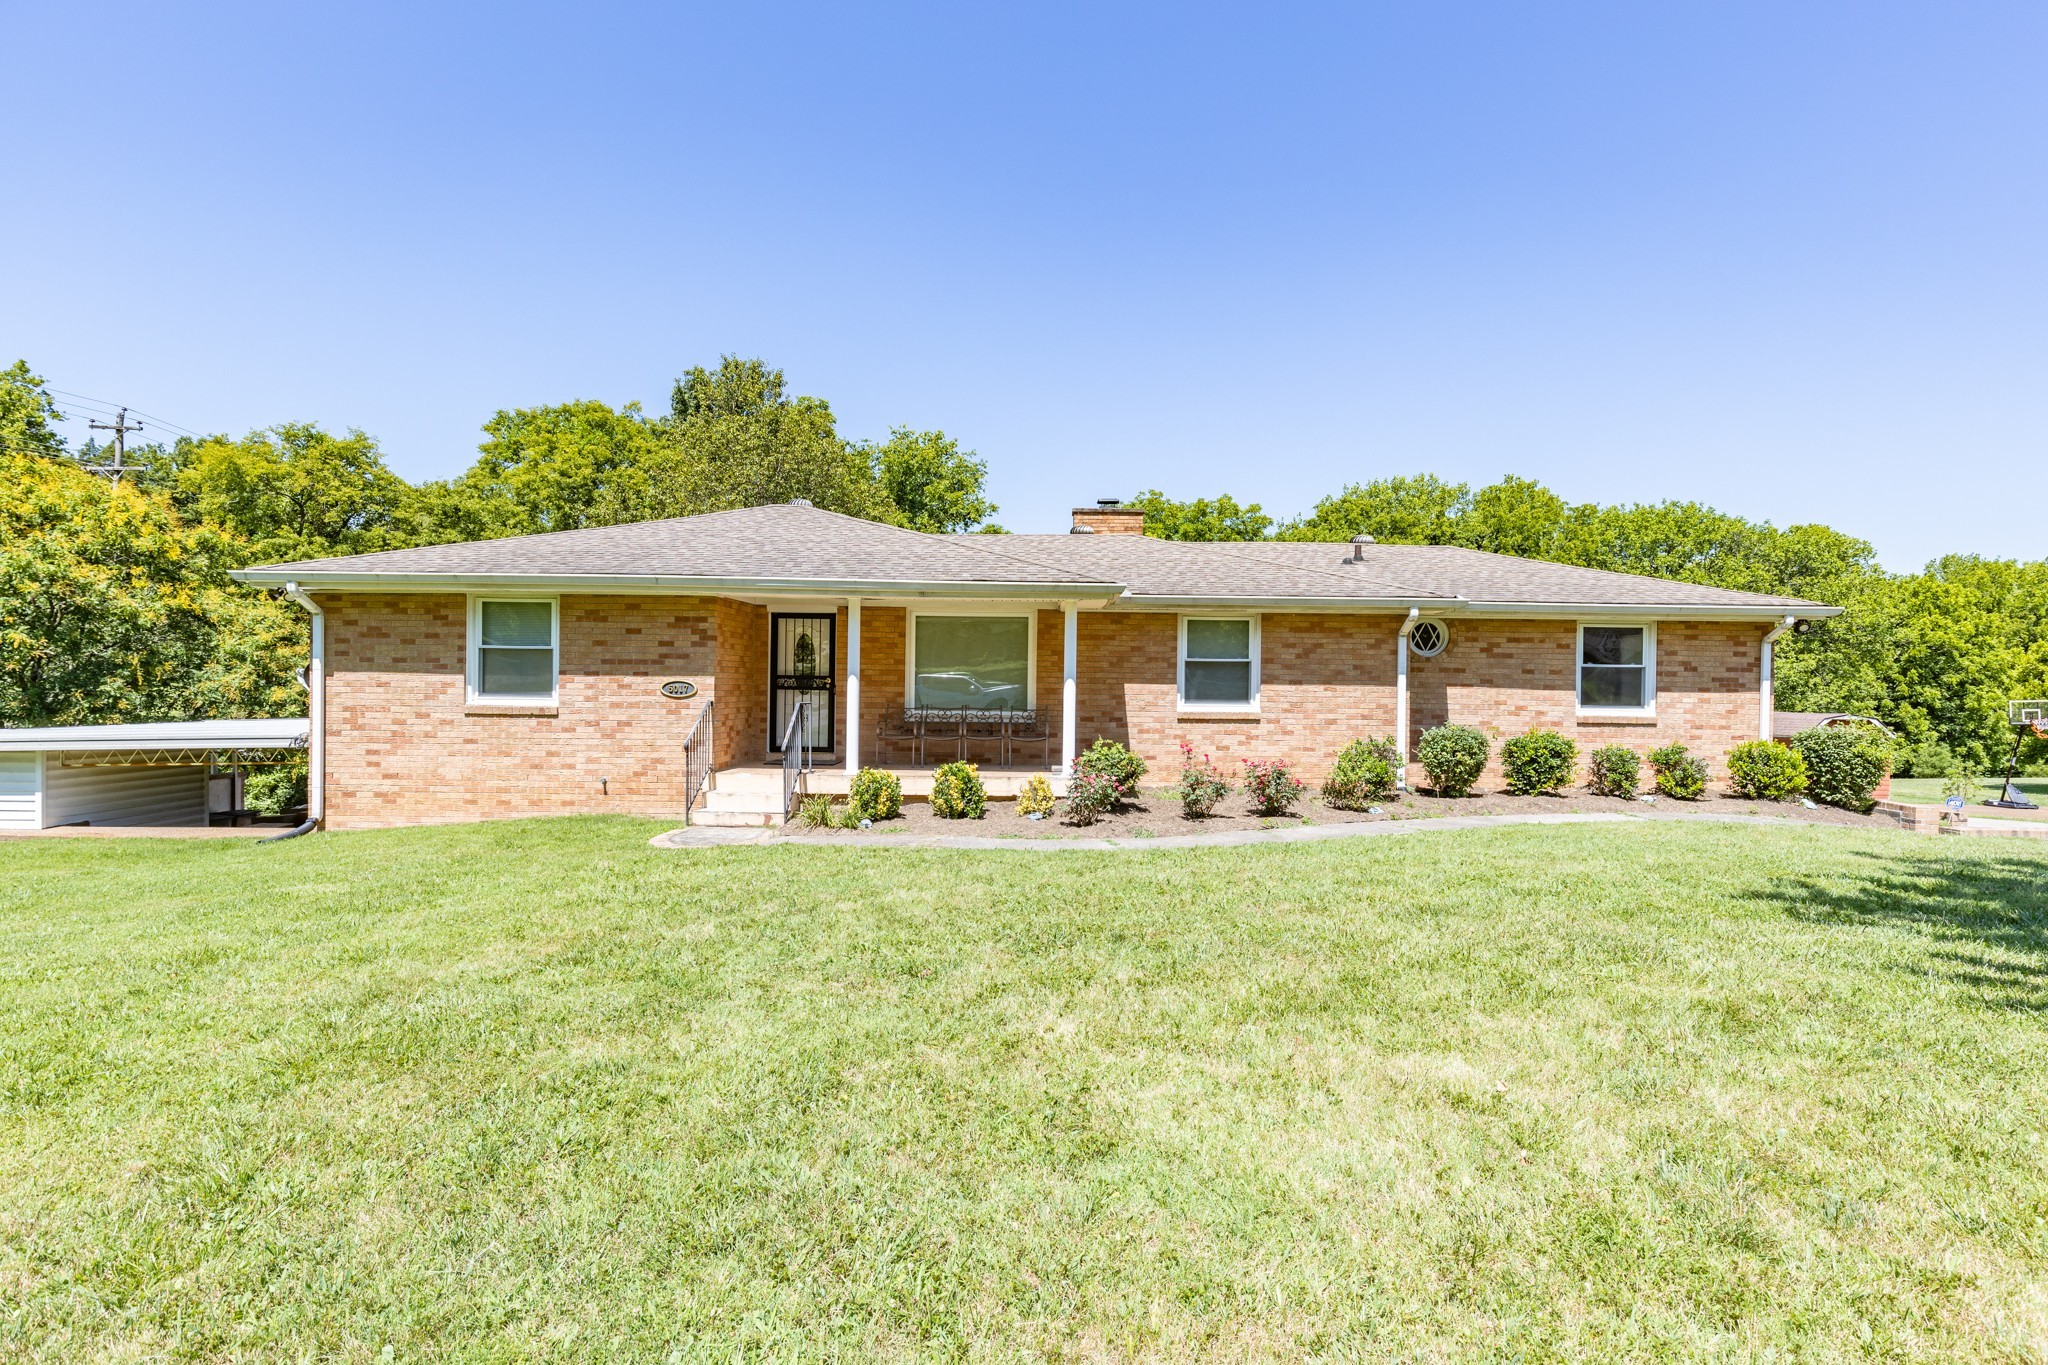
<point>678,690</point>
<point>1954,803</point>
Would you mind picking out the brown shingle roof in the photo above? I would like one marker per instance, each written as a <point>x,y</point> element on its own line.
<point>791,545</point>
<point>778,543</point>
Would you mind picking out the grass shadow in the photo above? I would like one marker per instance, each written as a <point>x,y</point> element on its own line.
<point>1986,914</point>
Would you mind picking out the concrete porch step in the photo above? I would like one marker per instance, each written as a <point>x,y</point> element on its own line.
<point>736,819</point>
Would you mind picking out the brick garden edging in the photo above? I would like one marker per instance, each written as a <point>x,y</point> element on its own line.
<point>720,838</point>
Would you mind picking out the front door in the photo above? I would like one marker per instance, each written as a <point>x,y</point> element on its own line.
<point>800,668</point>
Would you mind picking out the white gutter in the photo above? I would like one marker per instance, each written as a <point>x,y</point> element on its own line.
<point>1401,695</point>
<point>316,708</point>
<point>821,587</point>
<point>1767,699</point>
<point>1457,606</point>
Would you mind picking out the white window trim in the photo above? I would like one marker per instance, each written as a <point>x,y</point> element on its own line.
<point>1180,669</point>
<point>1649,706</point>
<point>475,658</point>
<point>1028,614</point>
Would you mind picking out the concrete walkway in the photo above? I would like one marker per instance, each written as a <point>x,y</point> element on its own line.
<point>1299,834</point>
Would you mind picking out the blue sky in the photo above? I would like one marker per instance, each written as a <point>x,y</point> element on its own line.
<point>1784,259</point>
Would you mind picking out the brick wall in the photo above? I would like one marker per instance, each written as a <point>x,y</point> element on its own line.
<point>404,747</point>
<point>1510,677</point>
<point>1325,680</point>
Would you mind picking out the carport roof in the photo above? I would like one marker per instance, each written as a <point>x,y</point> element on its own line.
<point>286,733</point>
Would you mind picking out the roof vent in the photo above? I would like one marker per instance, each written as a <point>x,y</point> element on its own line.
<point>1081,531</point>
<point>1358,544</point>
<point>799,502</point>
<point>1109,502</point>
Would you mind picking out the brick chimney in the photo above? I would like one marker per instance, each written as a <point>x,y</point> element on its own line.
<point>1109,517</point>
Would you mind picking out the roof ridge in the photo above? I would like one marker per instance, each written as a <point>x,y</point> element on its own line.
<point>1321,573</point>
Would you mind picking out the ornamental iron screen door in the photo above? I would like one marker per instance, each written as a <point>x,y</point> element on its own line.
<point>801,665</point>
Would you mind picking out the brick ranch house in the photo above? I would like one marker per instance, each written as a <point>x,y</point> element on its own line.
<point>525,676</point>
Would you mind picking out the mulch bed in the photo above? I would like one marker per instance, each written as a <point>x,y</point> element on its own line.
<point>1157,814</point>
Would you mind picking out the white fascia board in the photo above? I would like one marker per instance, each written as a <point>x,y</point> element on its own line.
<point>611,583</point>
<point>1563,611</point>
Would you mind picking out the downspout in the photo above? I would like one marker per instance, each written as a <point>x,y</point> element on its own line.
<point>1401,695</point>
<point>316,719</point>
<point>1767,701</point>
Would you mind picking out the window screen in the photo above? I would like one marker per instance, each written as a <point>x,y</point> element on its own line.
<point>1217,667</point>
<point>515,654</point>
<point>1611,666</point>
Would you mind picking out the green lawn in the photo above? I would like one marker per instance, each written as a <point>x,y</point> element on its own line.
<point>1927,790</point>
<point>534,1090</point>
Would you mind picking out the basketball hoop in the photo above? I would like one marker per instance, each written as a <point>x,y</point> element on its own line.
<point>2027,717</point>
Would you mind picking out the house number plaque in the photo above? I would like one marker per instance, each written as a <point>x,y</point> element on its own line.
<point>678,690</point>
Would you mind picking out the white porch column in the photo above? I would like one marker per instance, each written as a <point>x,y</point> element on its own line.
<point>1072,635</point>
<point>852,685</point>
<point>1767,702</point>
<point>1401,694</point>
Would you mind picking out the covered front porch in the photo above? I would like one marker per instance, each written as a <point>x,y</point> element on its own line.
<point>826,688</point>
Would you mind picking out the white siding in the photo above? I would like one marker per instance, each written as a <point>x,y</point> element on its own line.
<point>21,791</point>
<point>128,795</point>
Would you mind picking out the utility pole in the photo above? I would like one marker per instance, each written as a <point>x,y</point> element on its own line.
<point>120,426</point>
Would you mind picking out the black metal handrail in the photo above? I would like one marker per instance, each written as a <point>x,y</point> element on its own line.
<point>796,755</point>
<point>697,754</point>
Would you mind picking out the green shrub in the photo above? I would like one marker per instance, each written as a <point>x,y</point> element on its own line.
<point>1614,771</point>
<point>1679,775</point>
<point>1929,758</point>
<point>1540,761</point>
<point>1844,763</point>
<point>276,790</point>
<point>1364,773</point>
<point>1453,756</point>
<point>1201,785</point>
<point>1090,796</point>
<point>1763,771</point>
<point>957,793</point>
<point>874,795</point>
<point>1272,789</point>
<point>815,812</point>
<point>1107,758</point>
<point>1035,797</point>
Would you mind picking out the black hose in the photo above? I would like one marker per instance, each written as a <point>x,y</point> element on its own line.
<point>306,828</point>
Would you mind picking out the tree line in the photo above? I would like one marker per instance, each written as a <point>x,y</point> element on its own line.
<point>115,602</point>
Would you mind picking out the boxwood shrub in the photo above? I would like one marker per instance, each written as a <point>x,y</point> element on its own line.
<point>1679,775</point>
<point>1364,773</point>
<point>1540,761</point>
<point>1453,756</point>
<point>1614,771</point>
<point>875,795</point>
<point>957,793</point>
<point>1844,763</point>
<point>1761,770</point>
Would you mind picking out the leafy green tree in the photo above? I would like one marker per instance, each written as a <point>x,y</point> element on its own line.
<point>1408,509</point>
<point>932,483</point>
<point>555,468</point>
<point>1221,518</point>
<point>111,608</point>
<point>296,492</point>
<point>736,438</point>
<point>27,414</point>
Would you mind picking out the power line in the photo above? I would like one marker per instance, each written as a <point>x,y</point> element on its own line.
<point>110,409</point>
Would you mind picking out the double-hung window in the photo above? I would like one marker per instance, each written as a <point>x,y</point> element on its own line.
<point>1219,663</point>
<point>1618,668</point>
<point>512,649</point>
